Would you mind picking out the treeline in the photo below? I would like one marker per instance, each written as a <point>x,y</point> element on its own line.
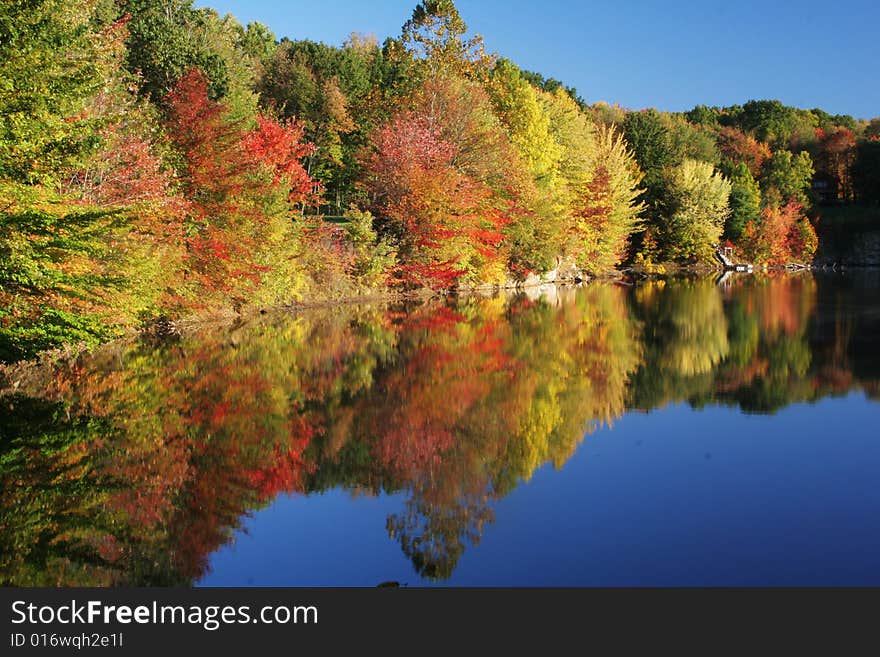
<point>769,168</point>
<point>159,159</point>
<point>132,465</point>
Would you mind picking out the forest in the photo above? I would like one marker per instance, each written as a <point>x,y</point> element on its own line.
<point>161,161</point>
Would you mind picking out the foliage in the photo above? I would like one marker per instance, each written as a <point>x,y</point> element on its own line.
<point>440,218</point>
<point>158,159</point>
<point>610,210</point>
<point>51,64</point>
<point>519,106</point>
<point>691,141</point>
<point>53,279</point>
<point>337,95</point>
<point>738,148</point>
<point>745,202</point>
<point>170,37</point>
<point>279,146</point>
<point>239,185</point>
<point>836,157</point>
<point>782,235</point>
<point>648,137</point>
<point>787,177</point>
<point>703,115</point>
<point>436,35</point>
<point>552,85</point>
<point>768,121</point>
<point>374,257</point>
<point>697,208</point>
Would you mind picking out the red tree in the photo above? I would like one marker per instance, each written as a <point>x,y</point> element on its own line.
<point>444,220</point>
<point>215,164</point>
<point>235,181</point>
<point>280,146</point>
<point>739,147</point>
<point>782,236</point>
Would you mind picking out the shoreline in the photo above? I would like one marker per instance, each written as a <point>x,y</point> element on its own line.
<point>163,329</point>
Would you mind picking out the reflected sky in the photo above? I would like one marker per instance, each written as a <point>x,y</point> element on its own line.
<point>668,498</point>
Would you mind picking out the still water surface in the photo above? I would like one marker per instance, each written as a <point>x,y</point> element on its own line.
<point>668,433</point>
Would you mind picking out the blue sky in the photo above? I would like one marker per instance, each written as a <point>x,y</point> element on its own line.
<point>643,53</point>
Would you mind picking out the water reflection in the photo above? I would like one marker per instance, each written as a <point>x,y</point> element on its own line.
<point>133,465</point>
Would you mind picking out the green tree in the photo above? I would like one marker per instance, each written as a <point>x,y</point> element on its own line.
<point>702,115</point>
<point>787,177</point>
<point>696,207</point>
<point>257,40</point>
<point>745,202</point>
<point>769,121</point>
<point>169,37</point>
<point>828,121</point>
<point>51,65</point>
<point>648,137</point>
<point>341,95</point>
<point>437,36</point>
<point>689,141</point>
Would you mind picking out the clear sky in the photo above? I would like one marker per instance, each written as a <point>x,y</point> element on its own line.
<point>643,53</point>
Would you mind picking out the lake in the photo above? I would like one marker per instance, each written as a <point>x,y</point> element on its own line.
<point>679,432</point>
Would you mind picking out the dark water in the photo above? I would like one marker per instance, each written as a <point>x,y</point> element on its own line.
<point>672,433</point>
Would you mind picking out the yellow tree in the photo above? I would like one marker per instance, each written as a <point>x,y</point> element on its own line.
<point>597,189</point>
<point>534,235</point>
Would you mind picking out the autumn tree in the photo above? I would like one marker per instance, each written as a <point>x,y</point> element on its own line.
<point>442,220</point>
<point>240,185</point>
<point>76,151</point>
<point>169,37</point>
<point>608,212</point>
<point>280,146</point>
<point>523,111</point>
<point>519,106</point>
<point>338,95</point>
<point>126,166</point>
<point>737,148</point>
<point>552,86</point>
<point>214,162</point>
<point>782,235</point>
<point>872,130</point>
